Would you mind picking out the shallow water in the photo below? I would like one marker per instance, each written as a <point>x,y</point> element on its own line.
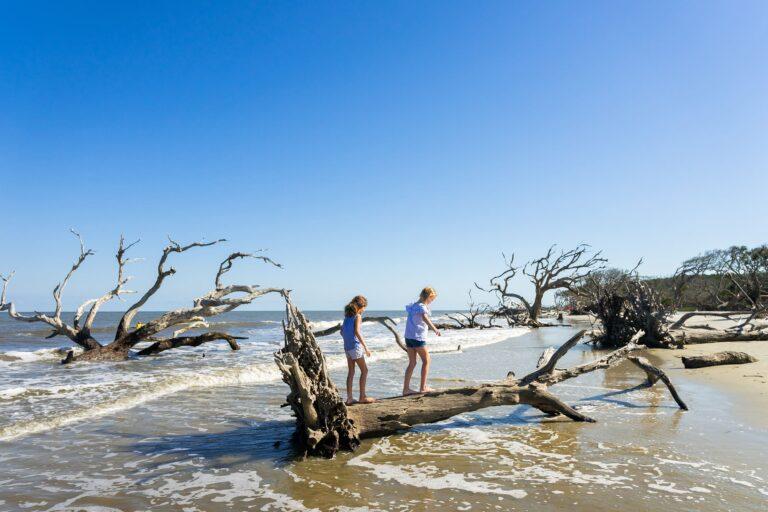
<point>183,431</point>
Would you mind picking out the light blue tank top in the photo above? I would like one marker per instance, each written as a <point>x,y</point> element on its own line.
<point>348,333</point>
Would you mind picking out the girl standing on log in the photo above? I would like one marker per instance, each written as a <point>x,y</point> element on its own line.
<point>355,347</point>
<point>416,328</point>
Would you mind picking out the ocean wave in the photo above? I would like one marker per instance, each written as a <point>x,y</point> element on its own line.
<point>31,356</point>
<point>255,323</point>
<point>9,393</point>
<point>257,373</point>
<point>323,324</point>
<point>319,325</point>
<point>254,374</point>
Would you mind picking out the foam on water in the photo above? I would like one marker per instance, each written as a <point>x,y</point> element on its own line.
<point>429,477</point>
<point>500,460</point>
<point>124,390</point>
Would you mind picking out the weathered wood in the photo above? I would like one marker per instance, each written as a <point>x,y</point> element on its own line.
<point>219,300</point>
<point>655,374</point>
<point>549,366</point>
<point>322,425</point>
<point>545,356</point>
<point>682,337</point>
<point>391,415</point>
<point>190,341</point>
<point>725,357</point>
<point>691,314</point>
<point>551,272</point>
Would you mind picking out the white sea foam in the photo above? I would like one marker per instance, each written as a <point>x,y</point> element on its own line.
<point>5,394</point>
<point>428,477</point>
<point>263,372</point>
<point>253,374</point>
<point>29,356</point>
<point>226,487</point>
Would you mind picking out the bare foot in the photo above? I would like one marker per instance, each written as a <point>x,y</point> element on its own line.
<point>350,402</point>
<point>410,391</point>
<point>367,400</point>
<point>426,390</point>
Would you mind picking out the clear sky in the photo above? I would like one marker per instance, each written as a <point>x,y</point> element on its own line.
<point>375,147</point>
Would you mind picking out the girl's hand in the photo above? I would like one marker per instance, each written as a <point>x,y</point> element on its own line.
<point>367,353</point>
<point>438,332</point>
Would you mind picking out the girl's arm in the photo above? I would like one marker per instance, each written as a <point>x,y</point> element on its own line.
<point>431,325</point>
<point>359,336</point>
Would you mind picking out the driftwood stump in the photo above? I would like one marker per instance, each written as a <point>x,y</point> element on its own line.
<point>719,358</point>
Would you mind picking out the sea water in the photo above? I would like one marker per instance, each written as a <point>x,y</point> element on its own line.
<point>203,429</point>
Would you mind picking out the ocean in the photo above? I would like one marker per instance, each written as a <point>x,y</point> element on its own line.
<point>203,429</point>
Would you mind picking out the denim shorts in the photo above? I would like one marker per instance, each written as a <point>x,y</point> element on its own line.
<point>411,343</point>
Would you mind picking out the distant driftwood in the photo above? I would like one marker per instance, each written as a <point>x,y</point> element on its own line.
<point>325,425</point>
<point>717,359</point>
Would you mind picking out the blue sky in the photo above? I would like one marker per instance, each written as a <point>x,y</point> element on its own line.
<point>375,147</point>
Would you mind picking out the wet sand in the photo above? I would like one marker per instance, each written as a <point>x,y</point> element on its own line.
<point>747,384</point>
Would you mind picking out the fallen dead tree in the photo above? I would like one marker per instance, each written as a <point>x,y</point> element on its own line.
<point>726,357</point>
<point>221,299</point>
<point>326,425</point>
<point>696,337</point>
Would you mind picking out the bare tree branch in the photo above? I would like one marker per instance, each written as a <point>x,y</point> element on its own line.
<point>226,265</point>
<point>85,331</point>
<point>162,345</point>
<point>552,271</point>
<point>162,273</point>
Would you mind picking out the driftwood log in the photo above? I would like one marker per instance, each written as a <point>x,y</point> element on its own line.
<point>326,425</point>
<point>727,357</point>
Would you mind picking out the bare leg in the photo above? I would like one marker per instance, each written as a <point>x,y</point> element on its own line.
<point>409,372</point>
<point>350,380</point>
<point>425,359</point>
<point>363,377</point>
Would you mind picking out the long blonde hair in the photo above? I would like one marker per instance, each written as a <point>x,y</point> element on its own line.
<point>426,293</point>
<point>354,306</point>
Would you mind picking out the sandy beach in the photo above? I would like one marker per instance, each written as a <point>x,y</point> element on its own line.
<point>747,384</point>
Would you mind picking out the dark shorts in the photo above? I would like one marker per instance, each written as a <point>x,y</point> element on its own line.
<point>410,343</point>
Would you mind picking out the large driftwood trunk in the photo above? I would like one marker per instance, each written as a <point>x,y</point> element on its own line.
<point>322,425</point>
<point>401,413</point>
<point>325,424</point>
<point>716,336</point>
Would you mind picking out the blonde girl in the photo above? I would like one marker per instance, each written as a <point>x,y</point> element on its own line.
<point>416,328</point>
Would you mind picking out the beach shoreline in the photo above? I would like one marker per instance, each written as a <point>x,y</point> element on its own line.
<point>747,384</point>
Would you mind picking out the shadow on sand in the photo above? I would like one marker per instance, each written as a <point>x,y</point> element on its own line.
<point>246,443</point>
